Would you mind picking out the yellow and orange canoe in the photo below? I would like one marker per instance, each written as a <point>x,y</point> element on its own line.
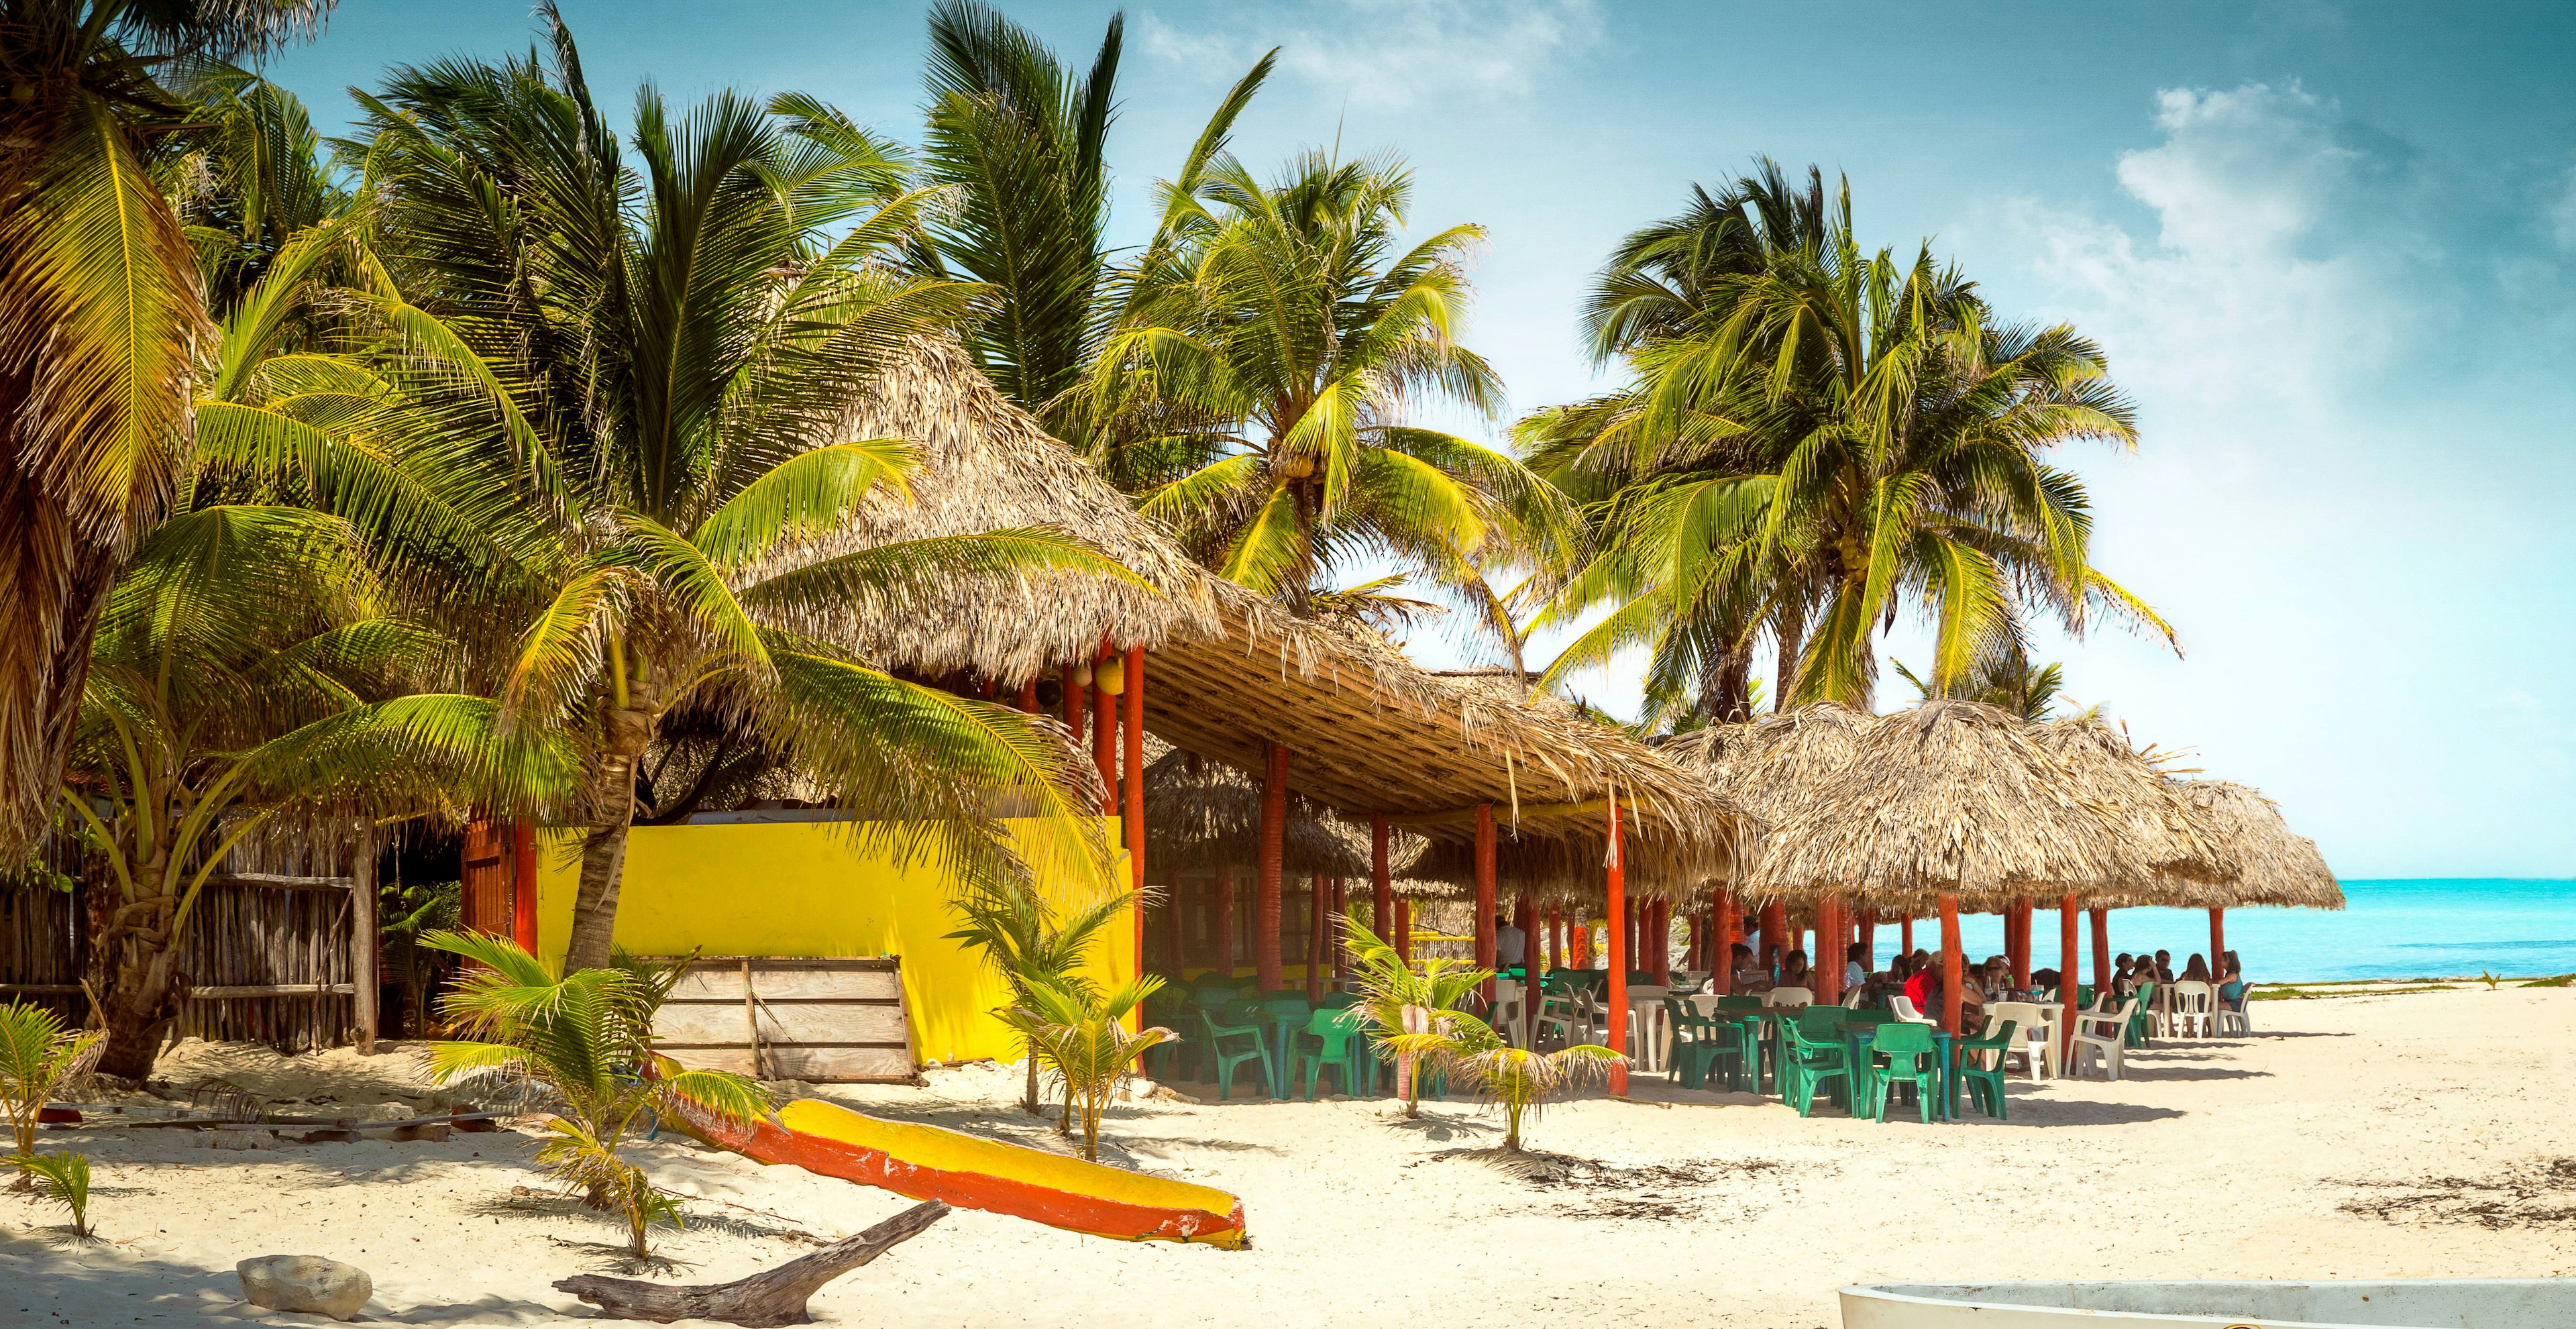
<point>971,1172</point>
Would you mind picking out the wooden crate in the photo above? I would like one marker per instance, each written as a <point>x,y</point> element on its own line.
<point>787,1018</point>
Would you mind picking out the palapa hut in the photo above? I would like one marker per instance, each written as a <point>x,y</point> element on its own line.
<point>2274,865</point>
<point>1955,803</point>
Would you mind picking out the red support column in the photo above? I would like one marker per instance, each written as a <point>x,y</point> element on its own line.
<point>1617,888</point>
<point>1485,892</point>
<point>1525,917</point>
<point>1905,937</point>
<point>1722,979</point>
<point>1104,732</point>
<point>1132,764</point>
<point>2217,946</point>
<point>1828,971</point>
<point>1404,930</point>
<point>1695,950</point>
<point>1029,695</point>
<point>2066,971</point>
<point>1226,954</point>
<point>1950,963</point>
<point>523,884</point>
<point>1869,940</point>
<point>2101,952</point>
<point>1579,944</point>
<point>1314,939</point>
<point>1556,937</point>
<point>1775,934</point>
<point>1265,900</point>
<point>1334,934</point>
<point>2021,965</point>
<point>1381,882</point>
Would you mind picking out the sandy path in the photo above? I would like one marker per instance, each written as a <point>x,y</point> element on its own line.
<point>2227,1158</point>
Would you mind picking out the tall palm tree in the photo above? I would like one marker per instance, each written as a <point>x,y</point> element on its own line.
<point>100,311</point>
<point>1018,143</point>
<point>647,365</point>
<point>1848,436</point>
<point>1270,354</point>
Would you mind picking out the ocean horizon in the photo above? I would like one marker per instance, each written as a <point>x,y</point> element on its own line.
<point>2397,928</point>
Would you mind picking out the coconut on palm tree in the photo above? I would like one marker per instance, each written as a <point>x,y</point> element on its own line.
<point>644,362</point>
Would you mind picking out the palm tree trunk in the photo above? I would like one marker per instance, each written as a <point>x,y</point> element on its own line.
<point>1791,630</point>
<point>603,853</point>
<point>134,976</point>
<point>1725,691</point>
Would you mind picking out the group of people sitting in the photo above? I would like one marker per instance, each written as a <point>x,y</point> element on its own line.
<point>1917,978</point>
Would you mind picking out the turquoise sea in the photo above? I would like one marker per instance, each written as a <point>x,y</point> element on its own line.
<point>2414,928</point>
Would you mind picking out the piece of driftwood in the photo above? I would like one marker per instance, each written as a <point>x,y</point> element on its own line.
<point>771,1297</point>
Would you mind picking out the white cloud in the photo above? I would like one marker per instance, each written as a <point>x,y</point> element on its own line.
<point>1393,53</point>
<point>2562,211</point>
<point>2279,265</point>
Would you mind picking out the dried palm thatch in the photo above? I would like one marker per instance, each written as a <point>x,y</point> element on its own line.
<point>2274,866</point>
<point>2188,868</point>
<point>983,464</point>
<point>1774,765</point>
<point>1369,731</point>
<point>1957,797</point>
<point>1203,815</point>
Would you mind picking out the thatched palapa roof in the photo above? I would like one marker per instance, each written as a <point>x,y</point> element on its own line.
<point>1957,797</point>
<point>984,464</point>
<point>2274,865</point>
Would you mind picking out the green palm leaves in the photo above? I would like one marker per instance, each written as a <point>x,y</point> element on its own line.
<point>1815,439</point>
<point>581,1044</point>
<point>1080,1034</point>
<point>37,1056</point>
<point>1262,368</point>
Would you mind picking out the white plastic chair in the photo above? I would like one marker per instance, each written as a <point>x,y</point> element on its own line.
<point>1904,1008</point>
<point>1505,1015</point>
<point>2098,1037</point>
<point>1646,1020</point>
<point>1789,997</point>
<point>2038,1050</point>
<point>1565,1016</point>
<point>2231,1020</point>
<point>2194,1003</point>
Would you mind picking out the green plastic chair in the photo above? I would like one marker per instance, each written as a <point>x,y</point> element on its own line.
<point>1240,1021</point>
<point>1331,1041</point>
<point>2136,1035</point>
<point>1808,1061</point>
<point>1986,1083</point>
<point>1901,1050</point>
<point>1701,1043</point>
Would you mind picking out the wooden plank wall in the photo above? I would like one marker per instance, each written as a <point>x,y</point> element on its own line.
<point>787,1018</point>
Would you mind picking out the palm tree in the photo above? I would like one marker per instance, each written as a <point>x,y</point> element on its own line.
<point>1033,944</point>
<point>99,310</point>
<point>1401,998</point>
<point>1851,436</point>
<point>1518,1080</point>
<point>1081,1035</point>
<point>1269,354</point>
<point>2004,679</point>
<point>583,1043</point>
<point>656,360</point>
<point>37,1056</point>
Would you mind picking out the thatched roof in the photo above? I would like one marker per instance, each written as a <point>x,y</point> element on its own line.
<point>1369,731</point>
<point>2186,867</point>
<point>1204,815</point>
<point>984,464</point>
<point>1958,797</point>
<point>2273,865</point>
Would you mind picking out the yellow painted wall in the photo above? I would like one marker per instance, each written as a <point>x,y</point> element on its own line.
<point>808,889</point>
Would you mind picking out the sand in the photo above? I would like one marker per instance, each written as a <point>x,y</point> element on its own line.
<point>2415,1135</point>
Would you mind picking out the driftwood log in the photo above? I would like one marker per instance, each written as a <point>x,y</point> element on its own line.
<point>773,1297</point>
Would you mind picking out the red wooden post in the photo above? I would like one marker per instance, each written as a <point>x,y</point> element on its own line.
<point>1950,963</point>
<point>2022,929</point>
<point>523,884</point>
<point>1381,882</point>
<point>1104,731</point>
<point>1226,954</point>
<point>2101,952</point>
<point>1315,910</point>
<point>1723,978</point>
<point>1580,946</point>
<point>1617,886</point>
<point>2066,972</point>
<point>1265,900</point>
<point>1485,892</point>
<point>1775,934</point>
<point>1695,951</point>
<point>1525,917</point>
<point>1905,937</point>
<point>1029,695</point>
<point>1404,930</point>
<point>1556,937</point>
<point>1334,937</point>
<point>1869,940</point>
<point>1132,763</point>
<point>1828,971</point>
<point>1659,939</point>
<point>2217,946</point>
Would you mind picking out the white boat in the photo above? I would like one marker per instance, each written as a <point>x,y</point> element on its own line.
<point>2413,1303</point>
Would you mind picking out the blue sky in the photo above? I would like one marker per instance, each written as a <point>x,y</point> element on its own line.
<point>2330,249</point>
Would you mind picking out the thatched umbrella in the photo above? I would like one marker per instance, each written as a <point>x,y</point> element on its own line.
<point>2274,865</point>
<point>1955,803</point>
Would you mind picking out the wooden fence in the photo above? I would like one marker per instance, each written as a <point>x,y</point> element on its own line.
<point>790,1018</point>
<point>283,955</point>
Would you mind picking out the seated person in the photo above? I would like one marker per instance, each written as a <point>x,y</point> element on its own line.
<point>2231,993</point>
<point>1744,975</point>
<point>1856,968</point>
<point>2164,967</point>
<point>2197,971</point>
<point>1793,971</point>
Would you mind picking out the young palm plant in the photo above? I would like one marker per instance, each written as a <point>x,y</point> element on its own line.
<point>63,1179</point>
<point>37,1057</point>
<point>648,360</point>
<point>1403,999</point>
<point>1081,1034</point>
<point>583,1044</point>
<point>1033,944</point>
<point>1517,1080</point>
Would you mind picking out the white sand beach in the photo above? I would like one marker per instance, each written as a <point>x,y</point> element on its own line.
<point>2409,1135</point>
